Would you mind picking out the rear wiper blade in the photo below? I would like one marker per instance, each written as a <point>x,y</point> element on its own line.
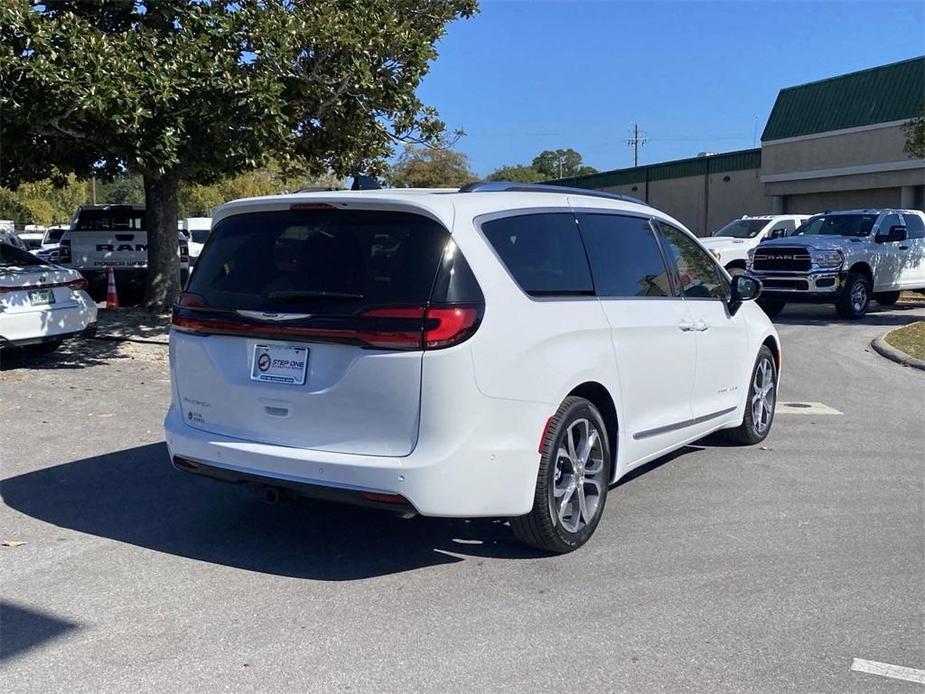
<point>296,294</point>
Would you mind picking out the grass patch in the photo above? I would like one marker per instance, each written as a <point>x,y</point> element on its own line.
<point>910,339</point>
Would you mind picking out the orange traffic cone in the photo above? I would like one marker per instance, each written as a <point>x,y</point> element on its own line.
<point>112,296</point>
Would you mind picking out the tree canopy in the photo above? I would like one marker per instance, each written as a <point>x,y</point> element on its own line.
<point>430,167</point>
<point>561,163</point>
<point>915,137</point>
<point>518,173</point>
<point>180,90</point>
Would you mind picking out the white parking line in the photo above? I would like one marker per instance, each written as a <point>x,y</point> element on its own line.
<point>895,672</point>
<point>810,408</point>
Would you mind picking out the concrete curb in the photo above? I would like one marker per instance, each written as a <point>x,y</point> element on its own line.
<point>884,349</point>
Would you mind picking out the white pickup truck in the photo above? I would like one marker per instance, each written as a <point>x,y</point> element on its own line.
<point>103,236</point>
<point>731,244</point>
<point>843,258</point>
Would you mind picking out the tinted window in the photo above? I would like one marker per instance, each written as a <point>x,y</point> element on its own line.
<point>320,261</point>
<point>10,256</point>
<point>891,220</point>
<point>915,227</point>
<point>111,219</point>
<point>787,225</point>
<point>54,235</point>
<point>543,252</point>
<point>838,225</point>
<point>700,277</point>
<point>625,257</point>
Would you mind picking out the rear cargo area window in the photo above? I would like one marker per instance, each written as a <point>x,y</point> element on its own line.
<point>543,252</point>
<point>328,262</point>
<point>116,219</point>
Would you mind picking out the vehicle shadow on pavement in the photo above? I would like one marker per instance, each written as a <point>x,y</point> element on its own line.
<point>24,628</point>
<point>890,316</point>
<point>77,353</point>
<point>135,496</point>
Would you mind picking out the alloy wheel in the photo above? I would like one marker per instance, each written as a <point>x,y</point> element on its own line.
<point>579,476</point>
<point>763,396</point>
<point>858,296</point>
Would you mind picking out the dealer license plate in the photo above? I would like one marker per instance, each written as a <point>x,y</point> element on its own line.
<point>279,364</point>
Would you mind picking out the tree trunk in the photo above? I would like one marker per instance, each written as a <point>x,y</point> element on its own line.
<point>163,281</point>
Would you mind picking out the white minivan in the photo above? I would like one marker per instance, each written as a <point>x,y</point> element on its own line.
<point>503,350</point>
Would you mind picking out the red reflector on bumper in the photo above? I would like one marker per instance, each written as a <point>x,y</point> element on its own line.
<point>384,498</point>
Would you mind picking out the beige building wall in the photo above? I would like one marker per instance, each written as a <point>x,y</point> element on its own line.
<point>704,203</point>
<point>852,147</point>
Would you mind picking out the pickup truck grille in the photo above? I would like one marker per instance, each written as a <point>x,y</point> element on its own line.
<point>781,260</point>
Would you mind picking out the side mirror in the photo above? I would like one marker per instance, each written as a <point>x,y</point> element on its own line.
<point>777,233</point>
<point>744,288</point>
<point>896,233</point>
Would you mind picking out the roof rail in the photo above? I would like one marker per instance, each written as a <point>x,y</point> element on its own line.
<point>511,187</point>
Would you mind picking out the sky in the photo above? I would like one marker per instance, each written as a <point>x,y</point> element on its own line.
<point>527,75</point>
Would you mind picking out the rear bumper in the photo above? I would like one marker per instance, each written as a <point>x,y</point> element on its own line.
<point>484,466</point>
<point>24,328</point>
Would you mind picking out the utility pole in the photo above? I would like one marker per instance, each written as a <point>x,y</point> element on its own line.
<point>93,189</point>
<point>635,141</point>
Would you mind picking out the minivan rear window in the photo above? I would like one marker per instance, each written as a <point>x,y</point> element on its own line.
<point>543,252</point>
<point>319,261</point>
<point>111,219</point>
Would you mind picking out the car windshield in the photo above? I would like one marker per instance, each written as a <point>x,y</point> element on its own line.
<point>199,235</point>
<point>11,256</point>
<point>742,228</point>
<point>54,235</point>
<point>837,225</point>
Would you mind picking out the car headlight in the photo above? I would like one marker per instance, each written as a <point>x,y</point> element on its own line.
<point>825,258</point>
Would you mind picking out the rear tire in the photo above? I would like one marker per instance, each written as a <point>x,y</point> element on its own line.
<point>771,307</point>
<point>887,298</point>
<point>759,407</point>
<point>572,482</point>
<point>855,297</point>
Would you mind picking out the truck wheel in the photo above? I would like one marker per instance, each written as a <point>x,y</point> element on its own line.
<point>572,482</point>
<point>887,298</point>
<point>771,307</point>
<point>759,408</point>
<point>855,297</point>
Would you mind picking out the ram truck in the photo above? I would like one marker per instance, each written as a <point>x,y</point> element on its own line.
<point>845,258</point>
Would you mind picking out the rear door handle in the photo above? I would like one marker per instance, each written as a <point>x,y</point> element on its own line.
<point>701,326</point>
<point>904,248</point>
<point>686,326</point>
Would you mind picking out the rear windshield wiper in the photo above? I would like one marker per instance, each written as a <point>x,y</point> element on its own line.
<point>296,294</point>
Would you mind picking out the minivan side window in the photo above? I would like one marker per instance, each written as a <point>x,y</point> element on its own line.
<point>915,227</point>
<point>700,276</point>
<point>543,252</point>
<point>625,257</point>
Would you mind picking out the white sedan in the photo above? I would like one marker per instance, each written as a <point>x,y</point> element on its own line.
<point>41,304</point>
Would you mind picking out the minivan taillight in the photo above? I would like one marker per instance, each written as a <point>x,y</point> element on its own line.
<point>443,326</point>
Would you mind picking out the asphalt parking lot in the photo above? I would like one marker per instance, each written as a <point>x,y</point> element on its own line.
<point>764,569</point>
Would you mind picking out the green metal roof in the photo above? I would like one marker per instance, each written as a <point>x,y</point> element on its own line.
<point>681,168</point>
<point>876,95</point>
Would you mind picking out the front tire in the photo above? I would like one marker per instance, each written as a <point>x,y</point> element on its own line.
<point>759,407</point>
<point>572,482</point>
<point>887,298</point>
<point>855,297</point>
